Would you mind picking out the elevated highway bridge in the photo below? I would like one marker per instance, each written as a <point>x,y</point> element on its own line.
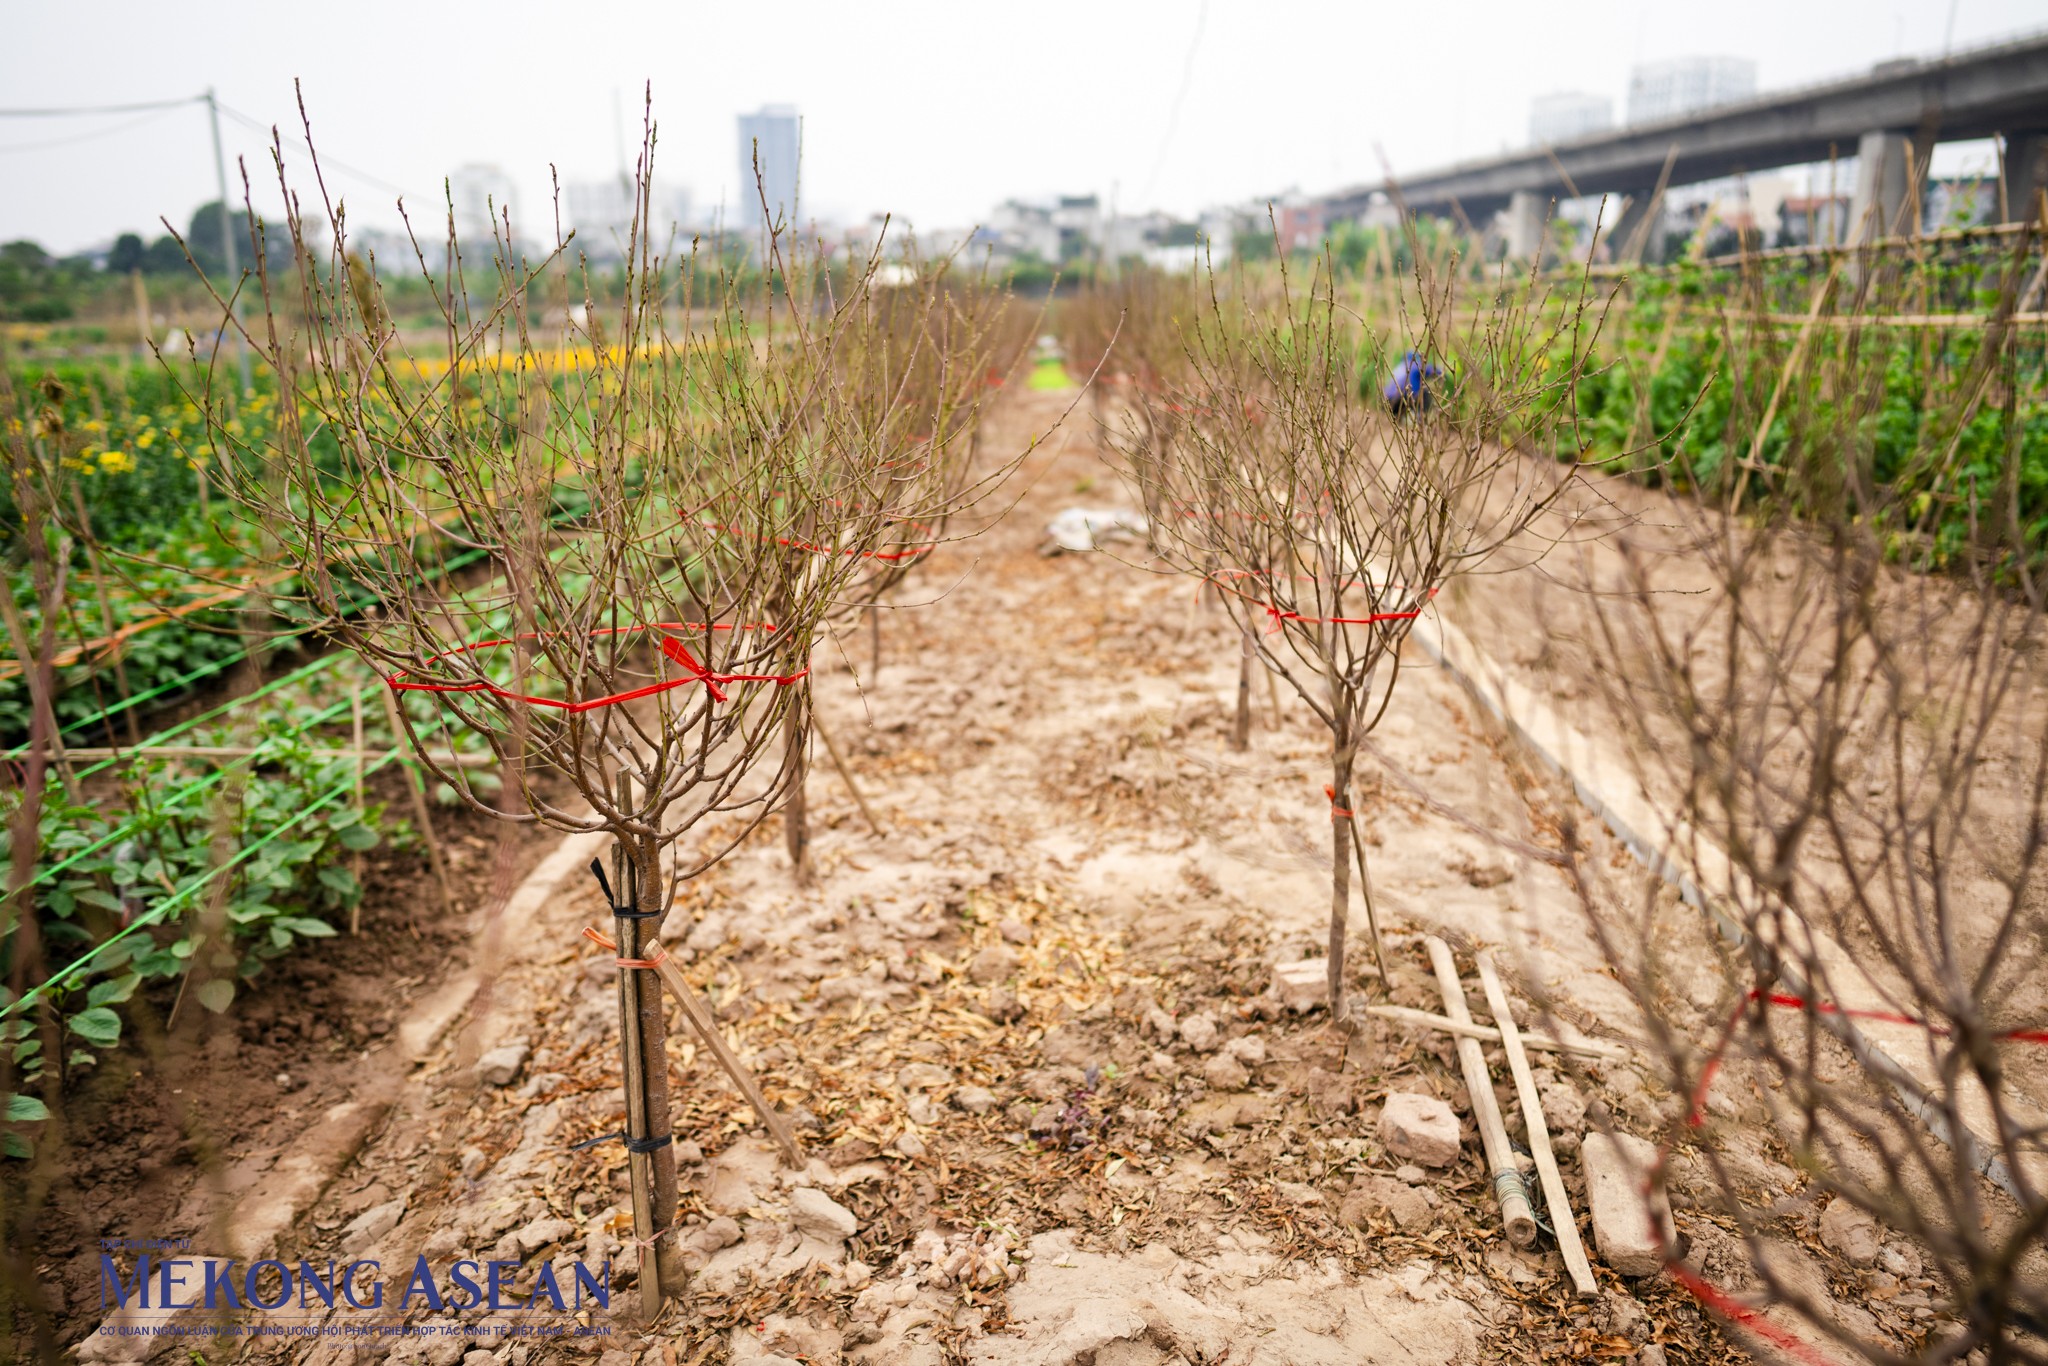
<point>1889,119</point>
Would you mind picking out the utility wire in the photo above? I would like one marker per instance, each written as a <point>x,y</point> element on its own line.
<point>83,137</point>
<point>80,109</point>
<point>326,162</point>
<point>1187,78</point>
<point>158,106</point>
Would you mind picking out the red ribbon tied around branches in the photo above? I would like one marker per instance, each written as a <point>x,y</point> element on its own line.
<point>811,548</point>
<point>1278,617</point>
<point>1705,1292</point>
<point>673,649</point>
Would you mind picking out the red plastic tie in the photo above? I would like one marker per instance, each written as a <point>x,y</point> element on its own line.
<point>605,941</point>
<point>1336,812</point>
<point>1787,1001</point>
<point>1278,617</point>
<point>696,673</point>
<point>1748,1318</point>
<point>1790,1002</point>
<point>792,543</point>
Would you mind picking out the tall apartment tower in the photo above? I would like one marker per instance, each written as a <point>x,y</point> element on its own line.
<point>773,134</point>
<point>1665,90</point>
<point>479,194</point>
<point>1565,116</point>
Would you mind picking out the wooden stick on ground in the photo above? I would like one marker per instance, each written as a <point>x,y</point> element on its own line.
<point>1542,1043</point>
<point>1516,1217</point>
<point>707,1029</point>
<point>846,775</point>
<point>1562,1222</point>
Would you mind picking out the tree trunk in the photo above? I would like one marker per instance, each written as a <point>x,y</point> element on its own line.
<point>1340,895</point>
<point>1241,737</point>
<point>1342,756</point>
<point>643,1031</point>
<point>654,1048</point>
<point>796,831</point>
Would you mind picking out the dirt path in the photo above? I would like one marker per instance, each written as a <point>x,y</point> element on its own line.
<point>1053,1110</point>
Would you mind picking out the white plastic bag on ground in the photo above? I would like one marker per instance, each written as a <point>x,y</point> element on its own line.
<point>1079,529</point>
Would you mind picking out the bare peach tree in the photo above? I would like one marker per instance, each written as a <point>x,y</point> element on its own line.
<point>917,351</point>
<point>1327,526</point>
<point>1830,687</point>
<point>653,498</point>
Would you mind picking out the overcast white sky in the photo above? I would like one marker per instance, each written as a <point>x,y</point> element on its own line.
<point>932,109</point>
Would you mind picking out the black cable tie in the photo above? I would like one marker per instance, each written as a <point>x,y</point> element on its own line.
<point>633,1145</point>
<point>618,912</point>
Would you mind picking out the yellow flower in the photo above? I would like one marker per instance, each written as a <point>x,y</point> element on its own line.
<point>116,462</point>
<point>146,440</point>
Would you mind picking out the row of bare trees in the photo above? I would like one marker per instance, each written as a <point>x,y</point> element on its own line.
<point>1834,705</point>
<point>746,476</point>
<point>1323,523</point>
<point>1837,707</point>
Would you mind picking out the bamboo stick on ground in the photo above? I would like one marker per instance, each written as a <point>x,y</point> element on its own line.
<point>1562,1221</point>
<point>1542,1043</point>
<point>707,1029</point>
<point>1516,1217</point>
<point>846,775</point>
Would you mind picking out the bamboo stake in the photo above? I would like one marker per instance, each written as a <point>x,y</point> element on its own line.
<point>707,1028</point>
<point>1763,428</point>
<point>1562,1221</point>
<point>244,751</point>
<point>99,585</point>
<point>632,1062</point>
<point>846,775</point>
<point>419,804</point>
<point>1516,1217</point>
<point>142,323</point>
<point>355,713</point>
<point>1241,733</point>
<point>1542,1043</point>
<point>1372,918</point>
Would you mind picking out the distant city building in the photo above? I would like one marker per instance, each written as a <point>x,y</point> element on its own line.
<point>1019,228</point>
<point>600,212</point>
<point>769,152</point>
<point>1300,223</point>
<point>1810,220</point>
<point>480,196</point>
<point>1665,90</point>
<point>1567,115</point>
<point>1079,220</point>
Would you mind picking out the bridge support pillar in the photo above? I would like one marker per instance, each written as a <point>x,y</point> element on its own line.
<point>1888,168</point>
<point>1628,231</point>
<point>1528,215</point>
<point>2026,174</point>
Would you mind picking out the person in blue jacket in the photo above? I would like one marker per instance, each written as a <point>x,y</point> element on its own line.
<point>1408,389</point>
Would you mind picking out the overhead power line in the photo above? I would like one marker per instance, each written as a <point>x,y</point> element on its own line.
<point>326,162</point>
<point>83,137</point>
<point>76,110</point>
<point>159,106</point>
